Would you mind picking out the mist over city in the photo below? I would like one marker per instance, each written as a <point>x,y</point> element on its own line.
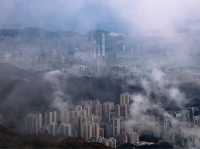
<point>101,74</point>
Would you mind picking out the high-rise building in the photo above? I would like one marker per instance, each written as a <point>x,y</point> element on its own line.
<point>89,132</point>
<point>64,130</point>
<point>100,38</point>
<point>97,109</point>
<point>108,132</point>
<point>101,132</point>
<point>109,45</point>
<point>51,117</point>
<point>51,128</point>
<point>38,123</point>
<point>166,124</point>
<point>124,111</point>
<point>65,115</point>
<point>83,128</point>
<point>197,120</point>
<point>33,123</point>
<point>107,108</point>
<point>123,138</point>
<point>89,129</point>
<point>117,110</point>
<point>96,130</point>
<point>133,137</point>
<point>125,98</point>
<point>61,129</point>
<point>1,118</point>
<point>116,127</point>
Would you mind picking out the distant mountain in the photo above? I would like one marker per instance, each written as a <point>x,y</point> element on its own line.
<point>34,33</point>
<point>21,91</point>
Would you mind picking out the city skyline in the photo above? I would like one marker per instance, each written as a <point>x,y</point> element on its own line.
<point>100,74</point>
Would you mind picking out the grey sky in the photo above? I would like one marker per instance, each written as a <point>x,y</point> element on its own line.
<point>56,14</point>
<point>144,15</point>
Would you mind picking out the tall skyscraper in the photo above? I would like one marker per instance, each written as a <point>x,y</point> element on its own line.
<point>33,123</point>
<point>117,110</point>
<point>124,111</point>
<point>125,98</point>
<point>100,38</point>
<point>116,127</point>
<point>103,45</point>
<point>1,119</point>
<point>96,130</point>
<point>107,108</point>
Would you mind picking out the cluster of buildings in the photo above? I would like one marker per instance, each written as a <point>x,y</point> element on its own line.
<point>186,131</point>
<point>105,122</point>
<point>91,120</point>
<point>179,127</point>
<point>46,52</point>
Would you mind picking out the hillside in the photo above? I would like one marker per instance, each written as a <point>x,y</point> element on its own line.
<point>9,139</point>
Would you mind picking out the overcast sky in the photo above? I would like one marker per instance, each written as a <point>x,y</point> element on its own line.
<point>157,15</point>
<point>57,14</point>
